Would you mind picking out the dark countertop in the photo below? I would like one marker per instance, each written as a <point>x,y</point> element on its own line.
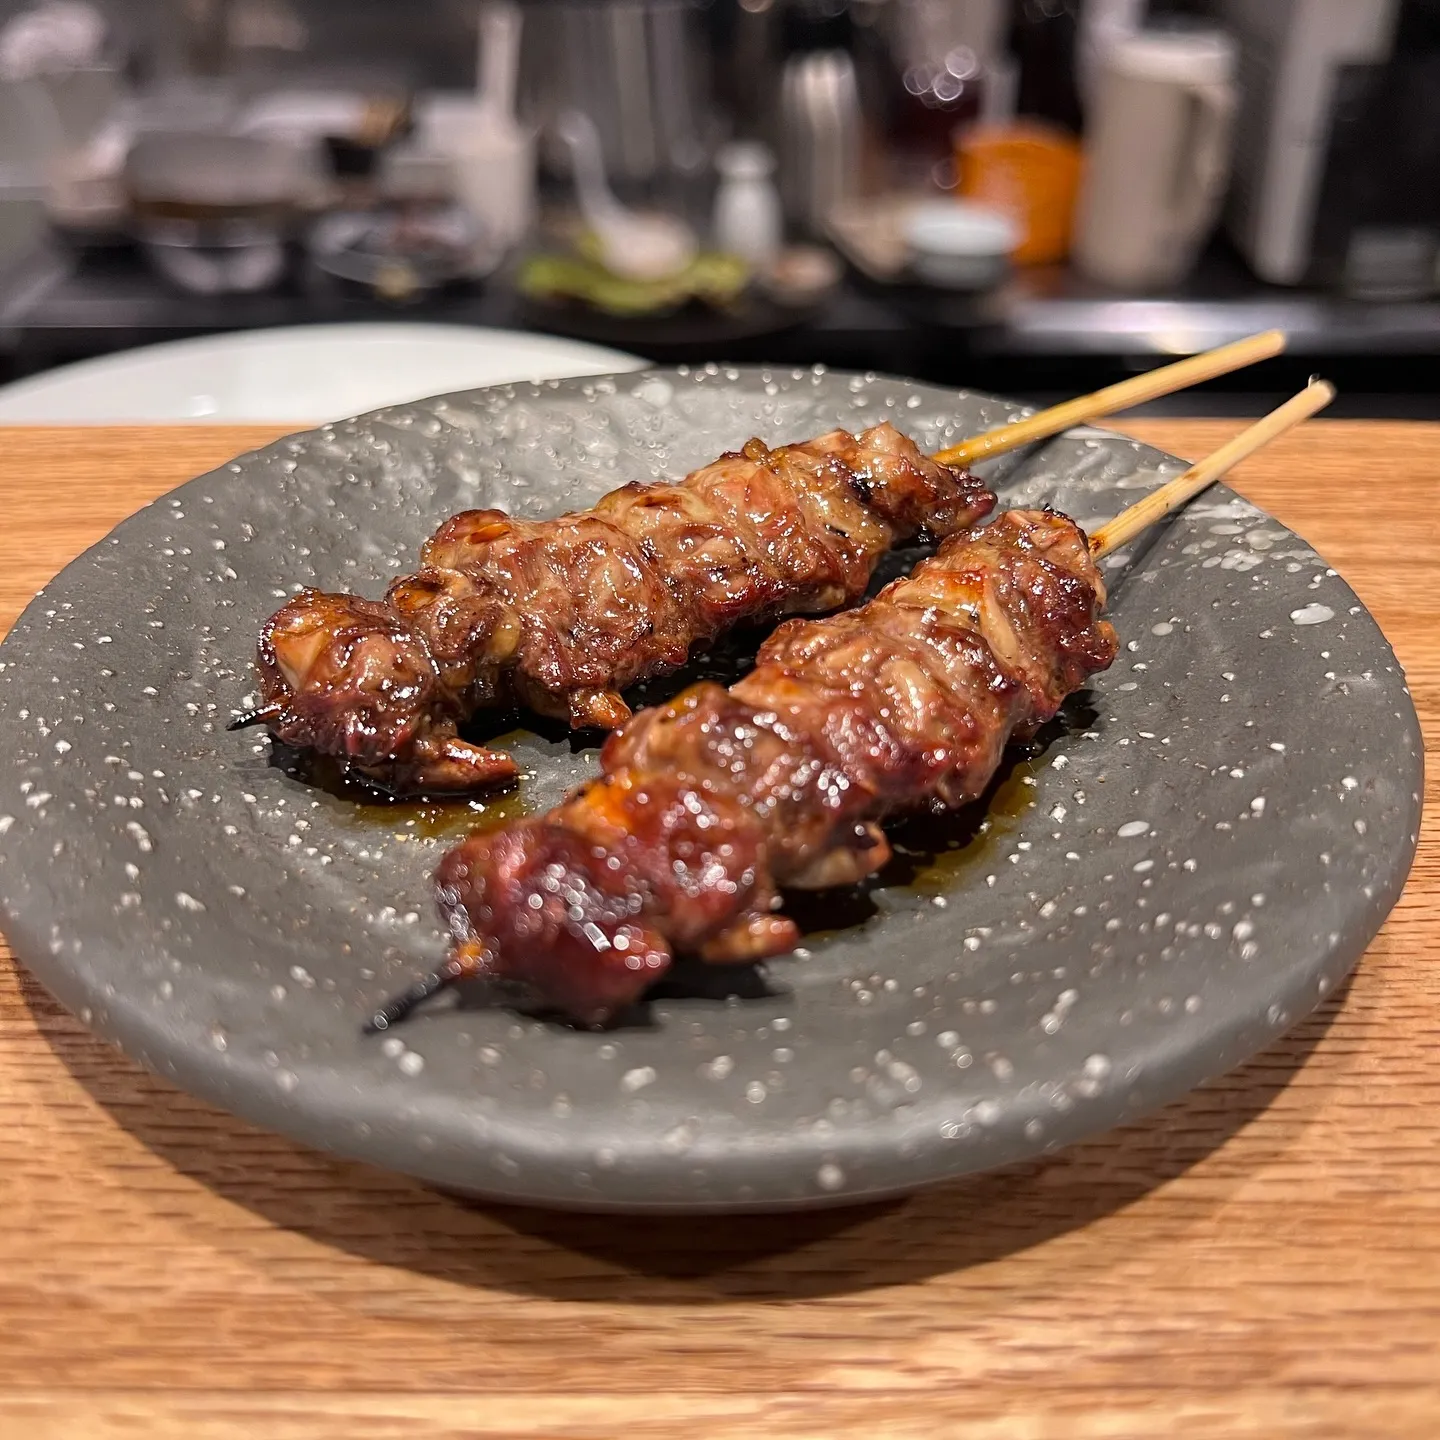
<point>1048,334</point>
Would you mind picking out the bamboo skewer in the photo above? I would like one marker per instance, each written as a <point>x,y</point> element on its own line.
<point>1175,493</point>
<point>1115,398</point>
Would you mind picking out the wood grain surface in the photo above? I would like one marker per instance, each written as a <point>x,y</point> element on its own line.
<point>1261,1259</point>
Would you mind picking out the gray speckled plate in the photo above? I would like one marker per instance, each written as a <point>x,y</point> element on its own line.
<point>1203,852</point>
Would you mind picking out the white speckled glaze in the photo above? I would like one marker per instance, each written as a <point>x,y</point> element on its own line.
<point>1201,864</point>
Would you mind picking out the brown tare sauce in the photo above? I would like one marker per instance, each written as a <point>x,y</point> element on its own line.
<point>443,818</point>
<point>934,854</point>
<point>937,854</point>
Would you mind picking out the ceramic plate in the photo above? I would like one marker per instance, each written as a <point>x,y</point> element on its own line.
<point>1202,848</point>
<point>293,373</point>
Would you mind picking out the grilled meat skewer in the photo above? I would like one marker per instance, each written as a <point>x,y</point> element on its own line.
<point>706,806</point>
<point>561,615</point>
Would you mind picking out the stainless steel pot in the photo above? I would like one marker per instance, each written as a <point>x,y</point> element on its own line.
<point>636,67</point>
<point>819,136</point>
<point>213,212</point>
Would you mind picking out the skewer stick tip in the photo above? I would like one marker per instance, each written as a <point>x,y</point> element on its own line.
<point>462,965</point>
<point>394,1010</point>
<point>1177,492</point>
<point>1114,398</point>
<point>260,715</point>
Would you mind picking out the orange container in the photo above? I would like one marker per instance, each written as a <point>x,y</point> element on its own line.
<point>1032,171</point>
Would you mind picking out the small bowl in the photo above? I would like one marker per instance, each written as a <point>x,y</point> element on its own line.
<point>958,245</point>
<point>801,275</point>
<point>199,175</point>
<point>215,257</point>
<point>403,252</point>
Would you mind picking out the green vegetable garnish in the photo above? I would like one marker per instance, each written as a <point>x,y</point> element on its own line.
<point>712,278</point>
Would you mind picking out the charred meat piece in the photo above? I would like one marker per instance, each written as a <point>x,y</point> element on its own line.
<point>706,806</point>
<point>561,615</point>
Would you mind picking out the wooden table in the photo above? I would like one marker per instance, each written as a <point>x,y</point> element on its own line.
<point>1261,1259</point>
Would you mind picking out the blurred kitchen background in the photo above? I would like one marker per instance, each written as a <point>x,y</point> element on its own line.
<point>1029,196</point>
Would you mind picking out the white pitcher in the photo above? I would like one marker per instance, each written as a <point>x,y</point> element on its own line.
<point>1157,160</point>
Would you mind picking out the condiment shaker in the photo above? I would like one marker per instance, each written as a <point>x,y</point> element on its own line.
<point>748,219</point>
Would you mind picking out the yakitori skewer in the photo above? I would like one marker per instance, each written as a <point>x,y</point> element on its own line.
<point>705,807</point>
<point>1138,390</point>
<point>561,615</point>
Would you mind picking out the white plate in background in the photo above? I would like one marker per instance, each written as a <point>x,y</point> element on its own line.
<point>304,373</point>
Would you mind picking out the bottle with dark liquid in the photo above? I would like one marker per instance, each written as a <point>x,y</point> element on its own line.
<point>932,82</point>
<point>933,99</point>
<point>1043,35</point>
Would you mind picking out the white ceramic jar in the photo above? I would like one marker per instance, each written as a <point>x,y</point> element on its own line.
<point>748,219</point>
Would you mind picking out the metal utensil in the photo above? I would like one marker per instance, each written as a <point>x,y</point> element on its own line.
<point>637,67</point>
<point>637,246</point>
<point>819,134</point>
